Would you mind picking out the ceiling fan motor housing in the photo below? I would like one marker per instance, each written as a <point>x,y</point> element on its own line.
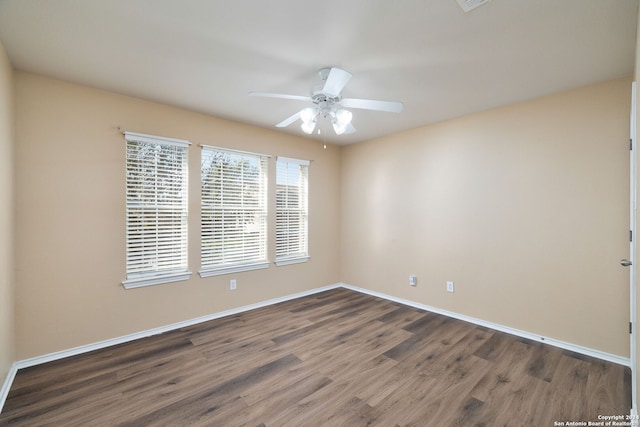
<point>321,99</point>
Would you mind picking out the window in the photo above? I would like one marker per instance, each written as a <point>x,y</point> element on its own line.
<point>156,210</point>
<point>291,211</point>
<point>234,211</point>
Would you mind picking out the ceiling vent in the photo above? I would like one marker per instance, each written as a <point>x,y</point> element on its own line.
<point>468,5</point>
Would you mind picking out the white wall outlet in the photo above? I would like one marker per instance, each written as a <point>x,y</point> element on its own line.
<point>413,280</point>
<point>449,286</point>
<point>232,284</point>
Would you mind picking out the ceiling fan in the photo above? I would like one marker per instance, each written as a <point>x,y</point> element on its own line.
<point>328,103</point>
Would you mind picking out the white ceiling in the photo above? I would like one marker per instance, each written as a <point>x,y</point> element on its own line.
<point>206,55</point>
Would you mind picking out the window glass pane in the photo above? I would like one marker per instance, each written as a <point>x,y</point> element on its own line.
<point>156,208</point>
<point>234,212</point>
<point>291,209</point>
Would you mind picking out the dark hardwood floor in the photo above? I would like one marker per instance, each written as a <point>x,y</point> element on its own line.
<point>338,358</point>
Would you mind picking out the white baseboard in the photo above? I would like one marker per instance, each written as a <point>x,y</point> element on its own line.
<point>4,391</point>
<point>625,361</point>
<point>33,361</point>
<point>155,331</point>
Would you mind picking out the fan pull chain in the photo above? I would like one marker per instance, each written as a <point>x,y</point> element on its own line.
<point>324,135</point>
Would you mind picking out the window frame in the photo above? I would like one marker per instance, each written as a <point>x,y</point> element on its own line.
<point>284,254</point>
<point>163,271</point>
<point>233,261</point>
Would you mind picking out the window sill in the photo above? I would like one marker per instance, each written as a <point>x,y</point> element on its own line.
<point>155,280</point>
<point>232,269</point>
<point>289,261</point>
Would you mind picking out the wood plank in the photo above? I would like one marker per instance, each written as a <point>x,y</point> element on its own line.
<point>338,358</point>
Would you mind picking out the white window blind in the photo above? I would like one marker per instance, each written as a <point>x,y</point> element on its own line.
<point>156,210</point>
<point>234,211</point>
<point>292,213</point>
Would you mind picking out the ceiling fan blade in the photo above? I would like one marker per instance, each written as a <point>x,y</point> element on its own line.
<point>370,104</point>
<point>350,129</point>
<point>286,122</point>
<point>336,81</point>
<point>280,95</point>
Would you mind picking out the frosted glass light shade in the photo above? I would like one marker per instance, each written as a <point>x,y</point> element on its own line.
<point>308,127</point>
<point>308,114</point>
<point>342,120</point>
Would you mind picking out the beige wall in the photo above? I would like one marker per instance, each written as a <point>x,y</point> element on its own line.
<point>70,217</point>
<point>525,208</point>
<point>7,355</point>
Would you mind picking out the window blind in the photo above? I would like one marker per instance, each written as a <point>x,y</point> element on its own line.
<point>291,210</point>
<point>156,210</point>
<point>234,211</point>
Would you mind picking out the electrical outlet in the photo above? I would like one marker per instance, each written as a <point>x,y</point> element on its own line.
<point>232,284</point>
<point>449,286</point>
<point>413,280</point>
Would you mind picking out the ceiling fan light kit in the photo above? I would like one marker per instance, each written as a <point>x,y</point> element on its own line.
<point>328,102</point>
